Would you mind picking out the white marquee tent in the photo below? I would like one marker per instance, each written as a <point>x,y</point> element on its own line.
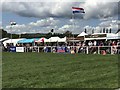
<point>62,39</point>
<point>57,39</point>
<point>14,41</point>
<point>3,39</point>
<point>43,40</point>
<point>107,37</point>
<point>54,39</point>
<point>82,34</point>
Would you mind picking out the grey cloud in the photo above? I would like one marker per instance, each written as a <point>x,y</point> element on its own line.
<point>94,9</point>
<point>40,9</point>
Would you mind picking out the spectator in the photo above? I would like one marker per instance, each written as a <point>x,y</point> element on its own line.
<point>118,42</point>
<point>95,43</point>
<point>90,43</point>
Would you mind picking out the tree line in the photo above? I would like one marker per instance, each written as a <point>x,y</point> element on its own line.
<point>5,34</point>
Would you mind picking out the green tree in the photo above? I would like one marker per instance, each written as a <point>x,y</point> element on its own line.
<point>4,33</point>
<point>68,34</point>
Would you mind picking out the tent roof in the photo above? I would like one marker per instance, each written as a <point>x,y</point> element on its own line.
<point>62,39</point>
<point>118,34</point>
<point>3,39</point>
<point>12,40</point>
<point>82,34</point>
<point>54,39</point>
<point>108,36</point>
<point>41,40</point>
<point>27,40</point>
<point>111,35</point>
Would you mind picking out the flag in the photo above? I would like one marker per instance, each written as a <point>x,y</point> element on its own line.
<point>78,10</point>
<point>42,40</point>
<point>13,23</point>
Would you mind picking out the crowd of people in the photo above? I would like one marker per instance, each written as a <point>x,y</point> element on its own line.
<point>110,46</point>
<point>75,47</point>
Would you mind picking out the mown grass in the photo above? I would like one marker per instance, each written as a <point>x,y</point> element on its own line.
<point>48,70</point>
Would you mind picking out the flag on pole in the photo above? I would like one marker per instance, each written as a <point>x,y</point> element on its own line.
<point>13,23</point>
<point>78,10</point>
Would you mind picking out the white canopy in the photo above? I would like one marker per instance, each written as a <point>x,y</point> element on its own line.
<point>113,36</point>
<point>62,39</point>
<point>46,40</point>
<point>82,34</point>
<point>3,39</point>
<point>118,34</point>
<point>14,41</point>
<point>54,39</point>
<point>40,40</point>
<point>43,40</point>
<point>96,38</point>
<point>108,36</point>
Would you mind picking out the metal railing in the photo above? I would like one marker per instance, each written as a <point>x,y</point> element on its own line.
<point>77,49</point>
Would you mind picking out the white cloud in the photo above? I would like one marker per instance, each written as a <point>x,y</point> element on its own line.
<point>44,22</point>
<point>39,9</point>
<point>110,24</point>
<point>43,25</point>
<point>16,28</point>
<point>69,27</point>
<point>48,11</point>
<point>89,28</point>
<point>65,28</point>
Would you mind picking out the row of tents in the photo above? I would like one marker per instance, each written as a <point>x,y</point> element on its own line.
<point>33,40</point>
<point>99,36</point>
<point>81,37</point>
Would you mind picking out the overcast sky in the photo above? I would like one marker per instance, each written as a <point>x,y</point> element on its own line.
<point>41,17</point>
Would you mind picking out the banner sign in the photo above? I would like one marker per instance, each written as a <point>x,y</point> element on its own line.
<point>60,49</point>
<point>19,49</point>
<point>12,49</point>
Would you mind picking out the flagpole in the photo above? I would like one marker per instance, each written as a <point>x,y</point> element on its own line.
<point>12,24</point>
<point>11,34</point>
<point>75,10</point>
<point>73,18</point>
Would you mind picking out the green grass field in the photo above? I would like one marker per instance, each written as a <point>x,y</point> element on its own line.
<point>48,70</point>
